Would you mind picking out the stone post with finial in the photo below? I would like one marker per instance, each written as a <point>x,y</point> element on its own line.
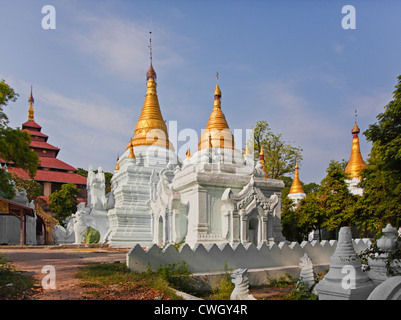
<point>378,268</point>
<point>345,279</point>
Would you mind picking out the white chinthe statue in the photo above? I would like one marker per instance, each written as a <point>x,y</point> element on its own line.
<point>80,224</point>
<point>241,291</point>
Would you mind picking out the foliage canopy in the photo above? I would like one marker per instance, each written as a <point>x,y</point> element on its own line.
<point>280,156</point>
<point>14,144</point>
<point>64,202</point>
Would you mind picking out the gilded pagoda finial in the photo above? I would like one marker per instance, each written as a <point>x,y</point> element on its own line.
<point>131,154</point>
<point>262,160</point>
<point>217,91</point>
<point>188,154</point>
<point>355,163</point>
<point>117,165</point>
<point>151,128</point>
<point>296,186</point>
<point>31,101</point>
<point>217,95</point>
<point>247,147</point>
<point>151,72</point>
<point>150,46</point>
<point>355,129</point>
<point>217,127</point>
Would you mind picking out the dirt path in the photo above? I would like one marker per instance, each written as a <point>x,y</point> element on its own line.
<point>65,262</point>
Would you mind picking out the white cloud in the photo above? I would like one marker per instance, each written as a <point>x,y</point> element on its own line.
<point>372,104</point>
<point>295,116</point>
<point>120,46</point>
<point>339,48</point>
<point>83,113</point>
<point>87,132</point>
<point>321,131</point>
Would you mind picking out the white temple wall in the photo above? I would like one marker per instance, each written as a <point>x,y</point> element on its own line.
<point>10,230</point>
<point>213,258</point>
<point>134,186</point>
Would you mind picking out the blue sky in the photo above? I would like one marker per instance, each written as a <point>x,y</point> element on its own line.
<point>287,62</point>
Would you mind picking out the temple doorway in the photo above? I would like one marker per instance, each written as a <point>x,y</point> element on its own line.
<point>253,230</point>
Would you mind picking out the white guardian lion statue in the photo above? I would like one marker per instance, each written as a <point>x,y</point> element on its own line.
<point>80,224</point>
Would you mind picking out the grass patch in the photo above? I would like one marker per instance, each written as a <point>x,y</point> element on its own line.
<point>301,292</point>
<point>291,288</point>
<point>114,281</point>
<point>14,284</point>
<point>285,281</point>
<point>176,274</point>
<point>224,287</point>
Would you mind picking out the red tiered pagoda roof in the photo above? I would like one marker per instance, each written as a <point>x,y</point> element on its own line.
<point>31,124</point>
<point>51,176</point>
<point>51,170</point>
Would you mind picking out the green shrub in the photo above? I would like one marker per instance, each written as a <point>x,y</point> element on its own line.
<point>223,289</point>
<point>282,282</point>
<point>301,292</point>
<point>91,235</point>
<point>177,274</point>
<point>12,282</point>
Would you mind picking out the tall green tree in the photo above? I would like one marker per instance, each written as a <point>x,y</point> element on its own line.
<point>313,215</point>
<point>293,222</point>
<point>7,190</point>
<point>299,220</point>
<point>381,180</point>
<point>7,94</point>
<point>386,135</point>
<point>14,143</point>
<point>327,206</point>
<point>280,156</point>
<point>64,201</point>
<point>335,199</point>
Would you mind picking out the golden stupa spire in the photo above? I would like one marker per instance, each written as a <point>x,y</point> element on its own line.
<point>217,127</point>
<point>262,155</point>
<point>117,165</point>
<point>188,154</point>
<point>31,101</point>
<point>262,160</point>
<point>247,148</point>
<point>151,128</point>
<point>355,163</point>
<point>296,186</point>
<point>131,154</point>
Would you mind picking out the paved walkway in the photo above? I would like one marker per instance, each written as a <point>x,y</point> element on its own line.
<point>65,261</point>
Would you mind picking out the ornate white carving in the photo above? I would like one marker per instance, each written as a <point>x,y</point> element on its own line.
<point>165,210</point>
<point>64,234</point>
<point>251,203</point>
<point>306,276</point>
<point>241,291</point>
<point>80,223</point>
<point>95,186</point>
